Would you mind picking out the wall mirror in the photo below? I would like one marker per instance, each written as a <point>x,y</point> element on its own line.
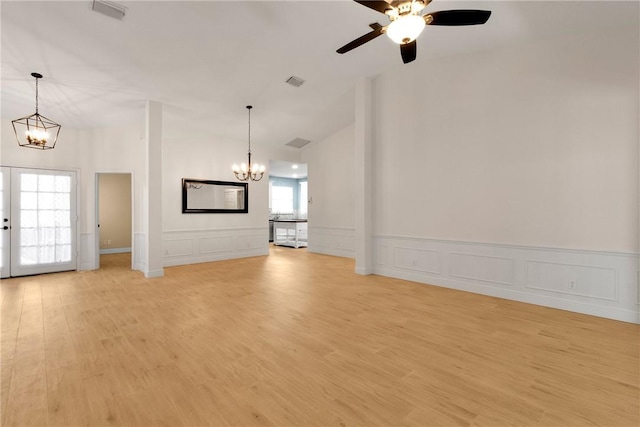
<point>202,196</point>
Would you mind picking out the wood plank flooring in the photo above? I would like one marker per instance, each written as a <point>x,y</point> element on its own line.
<point>297,339</point>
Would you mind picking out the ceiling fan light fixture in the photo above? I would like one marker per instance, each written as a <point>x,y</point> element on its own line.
<point>406,29</point>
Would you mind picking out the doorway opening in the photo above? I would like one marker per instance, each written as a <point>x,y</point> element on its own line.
<point>288,203</point>
<point>114,218</point>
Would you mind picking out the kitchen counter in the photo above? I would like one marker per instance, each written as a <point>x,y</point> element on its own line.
<point>290,232</point>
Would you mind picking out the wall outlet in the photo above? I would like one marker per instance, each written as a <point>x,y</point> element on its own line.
<point>109,242</point>
<point>572,284</point>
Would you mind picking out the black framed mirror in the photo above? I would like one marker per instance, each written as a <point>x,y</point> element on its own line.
<point>204,196</point>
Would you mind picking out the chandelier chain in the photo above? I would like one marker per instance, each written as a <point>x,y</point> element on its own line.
<point>249,108</point>
<point>36,95</point>
<point>249,171</point>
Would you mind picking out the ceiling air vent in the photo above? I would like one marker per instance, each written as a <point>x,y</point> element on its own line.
<point>295,81</point>
<point>108,8</point>
<point>298,143</point>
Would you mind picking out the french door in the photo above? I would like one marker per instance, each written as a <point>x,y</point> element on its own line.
<point>42,221</point>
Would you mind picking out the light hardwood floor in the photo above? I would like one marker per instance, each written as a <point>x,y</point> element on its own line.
<point>299,339</point>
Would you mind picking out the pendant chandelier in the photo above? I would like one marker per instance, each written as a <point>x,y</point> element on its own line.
<point>36,131</point>
<point>249,171</point>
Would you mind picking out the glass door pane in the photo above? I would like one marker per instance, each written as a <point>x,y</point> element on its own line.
<point>44,221</point>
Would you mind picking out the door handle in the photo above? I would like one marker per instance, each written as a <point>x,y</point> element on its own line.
<point>6,220</point>
<point>5,228</point>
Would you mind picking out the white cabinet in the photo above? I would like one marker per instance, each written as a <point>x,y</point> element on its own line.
<point>290,233</point>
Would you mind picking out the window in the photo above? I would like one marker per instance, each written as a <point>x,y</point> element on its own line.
<point>281,199</point>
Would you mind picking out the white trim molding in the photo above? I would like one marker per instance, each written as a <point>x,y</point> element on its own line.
<point>182,247</point>
<point>603,284</point>
<point>336,241</point>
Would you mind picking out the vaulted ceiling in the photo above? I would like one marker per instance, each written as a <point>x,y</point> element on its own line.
<point>206,60</point>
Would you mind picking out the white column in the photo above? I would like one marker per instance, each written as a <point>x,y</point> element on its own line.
<point>153,214</point>
<point>364,175</point>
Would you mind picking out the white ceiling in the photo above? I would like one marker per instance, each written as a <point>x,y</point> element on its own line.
<point>284,169</point>
<point>205,61</point>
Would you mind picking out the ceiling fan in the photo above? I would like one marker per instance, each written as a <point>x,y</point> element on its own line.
<point>407,22</point>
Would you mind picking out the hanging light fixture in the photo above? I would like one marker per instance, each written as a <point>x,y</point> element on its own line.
<point>249,171</point>
<point>36,131</point>
<point>406,22</point>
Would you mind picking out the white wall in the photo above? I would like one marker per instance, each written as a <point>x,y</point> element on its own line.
<point>330,165</point>
<point>535,145</point>
<point>488,160</point>
<point>88,152</point>
<point>191,238</point>
<point>186,238</point>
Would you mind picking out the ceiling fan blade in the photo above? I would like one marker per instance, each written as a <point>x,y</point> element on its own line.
<point>377,30</point>
<point>408,52</point>
<point>377,5</point>
<point>459,17</point>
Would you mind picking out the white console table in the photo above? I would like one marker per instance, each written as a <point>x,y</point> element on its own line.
<point>290,232</point>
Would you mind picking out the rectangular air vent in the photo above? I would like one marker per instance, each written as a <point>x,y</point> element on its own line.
<point>298,143</point>
<point>295,81</point>
<point>110,9</point>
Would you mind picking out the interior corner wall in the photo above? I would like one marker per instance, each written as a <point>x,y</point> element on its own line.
<point>514,172</point>
<point>331,190</point>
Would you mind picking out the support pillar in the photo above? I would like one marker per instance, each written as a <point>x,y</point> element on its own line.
<point>364,175</point>
<point>153,214</point>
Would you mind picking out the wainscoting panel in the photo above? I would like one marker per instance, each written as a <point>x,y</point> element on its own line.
<point>593,282</point>
<point>603,284</point>
<point>417,259</point>
<point>215,245</point>
<point>484,268</point>
<point>336,241</point>
<point>182,247</point>
<point>178,247</point>
<point>250,242</point>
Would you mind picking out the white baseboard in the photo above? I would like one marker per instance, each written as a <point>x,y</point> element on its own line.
<point>602,284</point>
<point>154,273</point>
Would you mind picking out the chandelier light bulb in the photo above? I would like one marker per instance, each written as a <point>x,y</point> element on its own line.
<point>406,29</point>
<point>235,168</point>
<point>37,137</point>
